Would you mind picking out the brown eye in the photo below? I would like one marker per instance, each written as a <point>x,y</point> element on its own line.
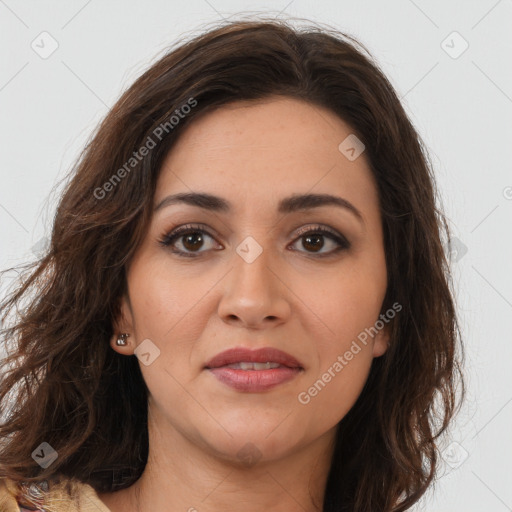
<point>186,240</point>
<point>192,241</point>
<point>313,241</point>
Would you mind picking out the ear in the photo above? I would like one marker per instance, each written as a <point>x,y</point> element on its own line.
<point>381,341</point>
<point>123,323</point>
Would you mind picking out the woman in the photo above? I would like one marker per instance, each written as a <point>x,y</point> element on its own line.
<point>255,221</point>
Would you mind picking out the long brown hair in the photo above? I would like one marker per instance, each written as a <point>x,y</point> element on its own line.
<point>74,392</point>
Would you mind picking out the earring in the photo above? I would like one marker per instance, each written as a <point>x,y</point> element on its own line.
<point>121,340</point>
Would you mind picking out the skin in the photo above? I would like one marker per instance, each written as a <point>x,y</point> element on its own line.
<point>252,154</point>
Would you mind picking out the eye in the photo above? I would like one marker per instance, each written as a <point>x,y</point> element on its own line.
<point>191,238</point>
<point>313,238</point>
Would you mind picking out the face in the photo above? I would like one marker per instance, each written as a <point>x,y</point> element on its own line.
<point>254,275</point>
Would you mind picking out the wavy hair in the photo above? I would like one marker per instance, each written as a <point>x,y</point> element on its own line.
<point>71,390</point>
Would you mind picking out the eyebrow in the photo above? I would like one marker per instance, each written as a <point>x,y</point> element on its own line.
<point>293,203</point>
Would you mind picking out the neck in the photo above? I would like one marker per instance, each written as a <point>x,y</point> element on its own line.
<point>181,475</point>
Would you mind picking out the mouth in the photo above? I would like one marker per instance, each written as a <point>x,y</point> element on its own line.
<point>254,370</point>
<point>253,360</point>
<point>254,366</point>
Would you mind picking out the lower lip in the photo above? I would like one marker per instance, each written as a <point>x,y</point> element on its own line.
<point>254,380</point>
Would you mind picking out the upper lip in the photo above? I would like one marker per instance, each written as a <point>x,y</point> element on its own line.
<point>261,355</point>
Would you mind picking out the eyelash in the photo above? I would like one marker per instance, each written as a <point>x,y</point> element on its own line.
<point>170,238</point>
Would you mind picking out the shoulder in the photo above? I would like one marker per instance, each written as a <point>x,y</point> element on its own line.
<point>8,496</point>
<point>60,495</point>
<point>13,498</point>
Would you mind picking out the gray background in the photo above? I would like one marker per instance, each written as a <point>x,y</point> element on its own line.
<point>461,103</point>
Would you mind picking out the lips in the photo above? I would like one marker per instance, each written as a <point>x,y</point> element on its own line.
<point>254,371</point>
<point>261,355</point>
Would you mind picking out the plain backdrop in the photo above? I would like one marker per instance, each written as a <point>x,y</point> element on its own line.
<point>63,64</point>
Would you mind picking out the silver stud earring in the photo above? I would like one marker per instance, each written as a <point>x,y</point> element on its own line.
<point>121,339</point>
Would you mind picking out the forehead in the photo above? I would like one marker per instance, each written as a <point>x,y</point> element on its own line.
<point>254,151</point>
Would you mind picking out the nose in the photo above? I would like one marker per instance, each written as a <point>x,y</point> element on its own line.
<point>254,294</point>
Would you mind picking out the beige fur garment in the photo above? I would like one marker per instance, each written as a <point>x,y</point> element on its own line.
<point>69,495</point>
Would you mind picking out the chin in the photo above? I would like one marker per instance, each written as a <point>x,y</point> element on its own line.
<point>252,442</point>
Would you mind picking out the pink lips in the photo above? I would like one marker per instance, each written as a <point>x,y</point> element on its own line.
<point>253,380</point>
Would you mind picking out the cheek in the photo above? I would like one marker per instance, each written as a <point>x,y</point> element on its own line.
<point>344,360</point>
<point>329,397</point>
<point>163,297</point>
<point>348,306</point>
<point>171,307</point>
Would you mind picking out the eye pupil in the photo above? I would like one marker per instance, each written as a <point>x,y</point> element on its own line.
<point>193,236</point>
<point>317,246</point>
